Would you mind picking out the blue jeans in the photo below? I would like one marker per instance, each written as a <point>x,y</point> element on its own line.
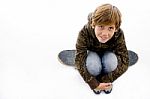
<point>98,63</point>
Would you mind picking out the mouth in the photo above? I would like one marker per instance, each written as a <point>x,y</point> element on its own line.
<point>103,37</point>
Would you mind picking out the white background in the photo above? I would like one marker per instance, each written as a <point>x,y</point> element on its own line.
<point>33,32</point>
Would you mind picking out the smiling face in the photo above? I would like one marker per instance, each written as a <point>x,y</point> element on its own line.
<point>106,19</point>
<point>104,32</point>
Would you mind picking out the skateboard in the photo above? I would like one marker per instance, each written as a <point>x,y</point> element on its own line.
<point>67,57</point>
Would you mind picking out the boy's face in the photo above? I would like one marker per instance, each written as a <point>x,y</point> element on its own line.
<point>104,32</point>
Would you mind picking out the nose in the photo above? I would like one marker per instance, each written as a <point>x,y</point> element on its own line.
<point>104,33</point>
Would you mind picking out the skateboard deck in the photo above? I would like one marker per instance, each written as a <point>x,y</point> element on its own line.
<point>67,57</point>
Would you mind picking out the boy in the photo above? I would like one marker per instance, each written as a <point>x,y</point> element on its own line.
<point>101,52</point>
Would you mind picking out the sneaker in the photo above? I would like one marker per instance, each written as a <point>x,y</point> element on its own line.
<point>108,91</point>
<point>97,91</point>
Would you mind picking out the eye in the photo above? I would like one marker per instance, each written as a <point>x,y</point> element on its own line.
<point>111,28</point>
<point>101,27</point>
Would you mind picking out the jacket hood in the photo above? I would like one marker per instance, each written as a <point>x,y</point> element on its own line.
<point>90,18</point>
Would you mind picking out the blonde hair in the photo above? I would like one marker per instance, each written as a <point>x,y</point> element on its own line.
<point>106,14</point>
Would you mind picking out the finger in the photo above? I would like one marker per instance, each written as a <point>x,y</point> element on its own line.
<point>109,84</point>
<point>107,88</point>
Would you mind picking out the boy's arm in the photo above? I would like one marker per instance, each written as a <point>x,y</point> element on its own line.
<point>123,60</point>
<point>81,54</point>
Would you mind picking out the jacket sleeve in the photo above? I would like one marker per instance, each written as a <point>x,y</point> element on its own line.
<point>81,54</point>
<point>122,55</point>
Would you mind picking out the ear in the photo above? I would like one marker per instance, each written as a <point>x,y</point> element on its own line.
<point>93,26</point>
<point>116,30</point>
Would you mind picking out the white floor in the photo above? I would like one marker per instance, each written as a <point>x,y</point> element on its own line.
<point>33,32</point>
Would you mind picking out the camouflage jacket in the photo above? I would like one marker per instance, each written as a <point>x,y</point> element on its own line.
<point>87,41</point>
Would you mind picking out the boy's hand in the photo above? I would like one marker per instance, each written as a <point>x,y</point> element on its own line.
<point>104,86</point>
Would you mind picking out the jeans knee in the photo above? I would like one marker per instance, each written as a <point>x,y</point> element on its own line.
<point>93,63</point>
<point>109,61</point>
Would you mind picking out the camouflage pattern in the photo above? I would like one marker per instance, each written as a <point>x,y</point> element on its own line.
<point>87,41</point>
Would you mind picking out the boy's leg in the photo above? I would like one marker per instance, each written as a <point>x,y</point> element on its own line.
<point>109,62</point>
<point>93,63</point>
<point>94,67</point>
